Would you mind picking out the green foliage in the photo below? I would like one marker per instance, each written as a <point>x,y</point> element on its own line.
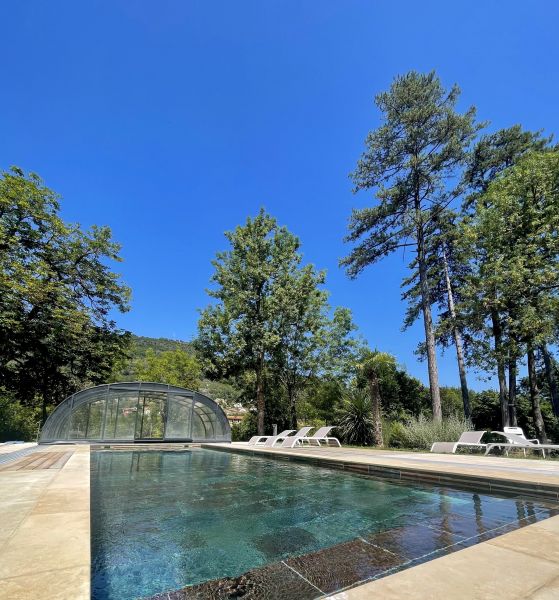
<point>322,400</point>
<point>340,350</point>
<point>381,365</point>
<point>56,296</point>
<point>420,433</point>
<point>356,418</point>
<point>17,422</point>
<point>375,367</point>
<point>393,433</point>
<point>402,396</point>
<point>240,333</point>
<point>451,401</point>
<point>175,367</point>
<point>485,410</point>
<point>407,161</point>
<point>243,431</point>
<point>225,391</point>
<point>270,326</point>
<point>513,240</point>
<point>494,153</point>
<point>140,345</point>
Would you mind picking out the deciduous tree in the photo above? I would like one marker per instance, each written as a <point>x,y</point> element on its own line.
<point>240,333</point>
<point>57,292</point>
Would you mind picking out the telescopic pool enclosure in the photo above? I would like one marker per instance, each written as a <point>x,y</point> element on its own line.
<point>138,411</point>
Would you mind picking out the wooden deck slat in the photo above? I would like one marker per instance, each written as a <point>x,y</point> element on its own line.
<point>39,461</point>
<point>62,460</point>
<point>9,466</point>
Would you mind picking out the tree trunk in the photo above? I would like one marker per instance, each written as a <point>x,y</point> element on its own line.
<point>512,392</point>
<point>260,400</point>
<point>550,374</point>
<point>503,392</point>
<point>292,407</point>
<point>43,410</point>
<point>457,343</point>
<point>428,322</point>
<point>374,390</point>
<point>535,397</point>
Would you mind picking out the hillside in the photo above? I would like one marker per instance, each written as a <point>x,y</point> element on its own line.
<point>141,344</point>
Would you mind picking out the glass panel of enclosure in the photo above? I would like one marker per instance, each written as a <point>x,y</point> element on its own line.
<point>61,426</point>
<point>78,422</point>
<point>179,417</point>
<point>95,420</point>
<point>199,430</point>
<point>111,413</point>
<point>127,410</point>
<point>150,424</point>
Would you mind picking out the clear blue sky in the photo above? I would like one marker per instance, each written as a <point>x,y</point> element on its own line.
<point>172,120</point>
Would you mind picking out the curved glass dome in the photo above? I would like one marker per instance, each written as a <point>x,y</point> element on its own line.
<point>139,411</point>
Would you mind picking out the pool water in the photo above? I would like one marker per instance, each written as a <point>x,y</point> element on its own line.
<point>165,520</point>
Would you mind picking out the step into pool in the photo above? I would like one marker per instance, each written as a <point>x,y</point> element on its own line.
<point>205,524</point>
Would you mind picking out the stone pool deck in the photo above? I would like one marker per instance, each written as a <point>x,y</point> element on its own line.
<point>45,525</point>
<point>520,565</point>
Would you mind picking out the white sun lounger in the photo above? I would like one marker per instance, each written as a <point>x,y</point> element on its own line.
<point>513,433</point>
<point>321,435</point>
<point>292,440</point>
<point>514,442</point>
<point>517,431</point>
<point>259,440</point>
<point>469,439</point>
<point>272,441</point>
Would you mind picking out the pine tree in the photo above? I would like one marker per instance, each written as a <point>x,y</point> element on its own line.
<point>410,162</point>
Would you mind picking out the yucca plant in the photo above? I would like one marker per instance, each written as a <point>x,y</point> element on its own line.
<point>356,422</point>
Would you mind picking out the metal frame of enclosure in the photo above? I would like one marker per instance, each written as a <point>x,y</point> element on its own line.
<point>136,412</point>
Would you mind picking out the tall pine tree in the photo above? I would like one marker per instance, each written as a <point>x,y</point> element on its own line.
<point>411,163</point>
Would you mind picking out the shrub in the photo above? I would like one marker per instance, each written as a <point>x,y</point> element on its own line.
<point>392,433</point>
<point>17,422</point>
<point>356,422</point>
<point>243,431</point>
<point>420,433</point>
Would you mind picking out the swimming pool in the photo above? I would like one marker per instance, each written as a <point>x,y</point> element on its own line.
<point>165,520</point>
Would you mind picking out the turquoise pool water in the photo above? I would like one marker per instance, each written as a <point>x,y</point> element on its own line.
<point>165,520</point>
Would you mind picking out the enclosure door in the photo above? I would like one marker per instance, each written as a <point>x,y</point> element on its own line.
<point>150,424</point>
